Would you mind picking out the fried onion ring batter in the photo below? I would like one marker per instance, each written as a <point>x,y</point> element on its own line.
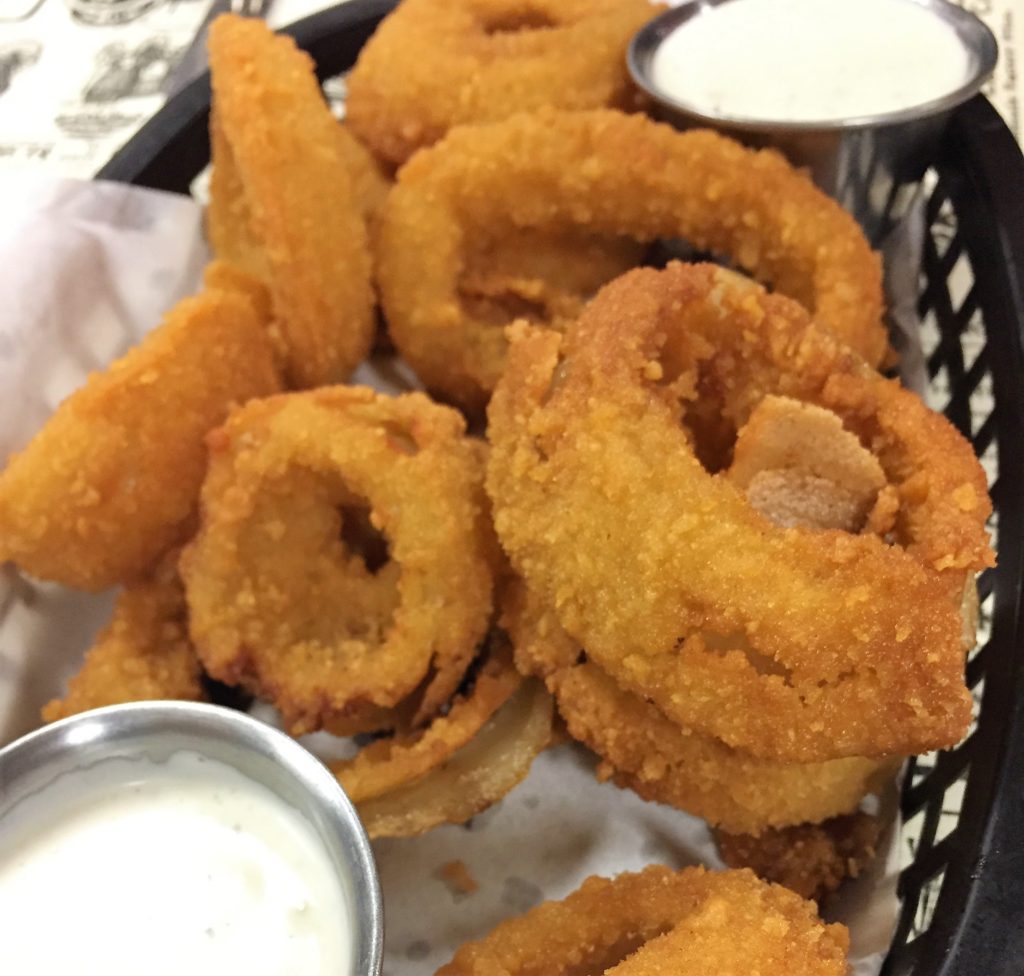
<point>344,555</point>
<point>110,482</point>
<point>143,654</point>
<point>789,644</point>
<point>433,64</point>
<point>494,761</point>
<point>606,174</point>
<point>810,859</point>
<point>643,750</point>
<point>388,763</point>
<point>687,923</point>
<point>283,204</point>
<point>541,277</point>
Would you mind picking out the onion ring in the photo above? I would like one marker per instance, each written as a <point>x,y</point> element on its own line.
<point>390,763</point>
<point>433,64</point>
<point>609,175</point>
<point>825,478</point>
<point>655,566</point>
<point>110,482</point>
<point>290,592</point>
<point>283,205</point>
<point>688,923</point>
<point>474,777</point>
<point>642,750</point>
<point>811,859</point>
<point>143,654</point>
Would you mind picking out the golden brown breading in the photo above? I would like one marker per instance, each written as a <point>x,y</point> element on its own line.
<point>790,644</point>
<point>370,184</point>
<point>112,480</point>
<point>810,859</point>
<point>283,204</point>
<point>432,64</point>
<point>643,750</point>
<point>143,654</point>
<point>607,175</point>
<point>640,748</point>
<point>345,552</point>
<point>691,922</point>
<point>545,278</point>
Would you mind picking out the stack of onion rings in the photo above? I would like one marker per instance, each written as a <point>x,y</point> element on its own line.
<point>746,561</point>
<point>798,466</point>
<point>657,567</point>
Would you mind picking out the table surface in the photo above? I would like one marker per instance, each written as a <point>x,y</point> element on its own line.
<point>78,77</point>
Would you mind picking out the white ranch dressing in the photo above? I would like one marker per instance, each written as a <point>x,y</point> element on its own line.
<point>810,60</point>
<point>182,868</point>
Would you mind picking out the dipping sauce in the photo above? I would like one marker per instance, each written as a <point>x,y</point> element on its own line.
<point>185,867</point>
<point>810,60</point>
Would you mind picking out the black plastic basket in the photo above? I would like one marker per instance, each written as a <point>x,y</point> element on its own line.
<point>963,890</point>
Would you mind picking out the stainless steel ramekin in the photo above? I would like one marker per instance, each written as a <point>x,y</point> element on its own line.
<point>157,730</point>
<point>871,164</point>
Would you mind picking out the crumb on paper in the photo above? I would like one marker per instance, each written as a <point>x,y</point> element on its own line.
<point>456,876</point>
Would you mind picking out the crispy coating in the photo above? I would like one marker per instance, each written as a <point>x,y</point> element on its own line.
<point>433,64</point>
<point>389,763</point>
<point>830,481</point>
<point>344,552</point>
<point>143,654</point>
<point>370,184</point>
<point>510,273</point>
<point>659,568</point>
<point>606,174</point>
<point>643,750</point>
<point>110,483</point>
<point>545,278</point>
<point>283,204</point>
<point>688,923</point>
<point>222,276</point>
<point>810,859</point>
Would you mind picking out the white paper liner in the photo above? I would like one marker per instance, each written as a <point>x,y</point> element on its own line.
<point>91,268</point>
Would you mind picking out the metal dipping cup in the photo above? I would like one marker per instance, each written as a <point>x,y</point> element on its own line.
<point>871,164</point>
<point>156,730</point>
